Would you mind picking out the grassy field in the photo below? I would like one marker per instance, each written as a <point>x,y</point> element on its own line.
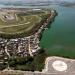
<point>21,22</point>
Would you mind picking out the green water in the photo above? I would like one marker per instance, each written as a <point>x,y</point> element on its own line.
<point>59,39</point>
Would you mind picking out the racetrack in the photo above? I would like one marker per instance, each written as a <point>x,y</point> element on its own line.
<point>27,23</point>
<point>13,23</point>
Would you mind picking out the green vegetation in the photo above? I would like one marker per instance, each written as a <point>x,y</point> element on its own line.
<point>29,63</point>
<point>15,25</point>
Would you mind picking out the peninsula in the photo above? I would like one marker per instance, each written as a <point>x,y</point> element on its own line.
<point>20,32</point>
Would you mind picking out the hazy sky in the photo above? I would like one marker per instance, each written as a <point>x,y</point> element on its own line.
<point>38,0</point>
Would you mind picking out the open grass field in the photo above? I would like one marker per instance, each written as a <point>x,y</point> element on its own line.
<point>18,23</point>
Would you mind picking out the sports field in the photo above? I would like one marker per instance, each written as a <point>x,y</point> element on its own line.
<point>18,23</point>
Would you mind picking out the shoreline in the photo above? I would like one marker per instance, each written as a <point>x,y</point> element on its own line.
<point>47,25</point>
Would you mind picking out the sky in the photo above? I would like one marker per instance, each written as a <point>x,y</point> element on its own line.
<point>38,0</point>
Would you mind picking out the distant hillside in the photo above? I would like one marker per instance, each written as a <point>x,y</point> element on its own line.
<point>36,2</point>
<point>68,4</point>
